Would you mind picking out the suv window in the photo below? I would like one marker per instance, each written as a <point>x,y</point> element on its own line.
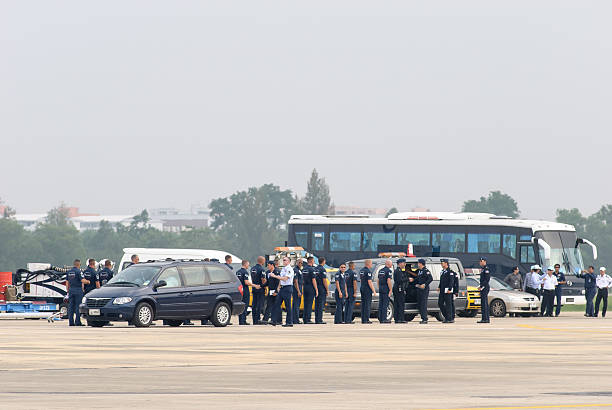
<point>194,275</point>
<point>171,276</point>
<point>218,274</point>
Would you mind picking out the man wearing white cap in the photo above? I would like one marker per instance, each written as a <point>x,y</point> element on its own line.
<point>603,282</point>
<point>549,282</point>
<point>532,281</point>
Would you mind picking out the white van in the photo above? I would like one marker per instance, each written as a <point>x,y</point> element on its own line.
<point>151,254</point>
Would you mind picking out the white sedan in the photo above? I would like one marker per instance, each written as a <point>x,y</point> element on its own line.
<point>503,299</point>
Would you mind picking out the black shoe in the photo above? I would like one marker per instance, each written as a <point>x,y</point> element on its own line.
<point>299,322</point>
<point>451,321</point>
<point>423,322</point>
<point>482,321</point>
<point>366,323</point>
<point>244,324</point>
<point>79,324</point>
<point>286,325</point>
<point>349,323</point>
<point>320,323</point>
<point>445,321</point>
<point>385,322</point>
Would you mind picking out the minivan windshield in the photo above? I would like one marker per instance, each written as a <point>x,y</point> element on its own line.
<point>135,275</point>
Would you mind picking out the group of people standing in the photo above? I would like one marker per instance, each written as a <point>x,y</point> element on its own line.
<point>79,283</point>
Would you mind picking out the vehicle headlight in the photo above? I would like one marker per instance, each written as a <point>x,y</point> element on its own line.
<point>122,301</point>
<point>84,300</point>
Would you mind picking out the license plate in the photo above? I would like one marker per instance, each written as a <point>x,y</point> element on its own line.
<point>569,300</point>
<point>477,301</point>
<point>94,312</point>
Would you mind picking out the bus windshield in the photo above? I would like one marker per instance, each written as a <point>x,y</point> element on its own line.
<point>563,250</point>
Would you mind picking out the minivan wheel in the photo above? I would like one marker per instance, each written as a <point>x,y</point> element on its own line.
<point>143,315</point>
<point>222,315</point>
<point>498,308</point>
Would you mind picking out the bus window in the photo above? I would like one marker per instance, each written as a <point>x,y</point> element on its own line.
<point>483,243</point>
<point>371,240</point>
<point>318,241</point>
<point>449,242</point>
<point>509,247</point>
<point>404,238</point>
<point>302,239</point>
<point>344,241</point>
<point>527,254</point>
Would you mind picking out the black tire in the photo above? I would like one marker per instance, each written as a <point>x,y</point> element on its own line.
<point>143,315</point>
<point>409,317</point>
<point>222,314</point>
<point>469,313</point>
<point>63,308</point>
<point>390,312</point>
<point>174,323</point>
<point>96,323</point>
<point>439,316</point>
<point>498,308</point>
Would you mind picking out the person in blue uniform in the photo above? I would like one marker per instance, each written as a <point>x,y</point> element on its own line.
<point>446,291</point>
<point>322,286</point>
<point>484,287</point>
<point>590,288</point>
<point>384,289</point>
<point>107,273</point>
<point>559,288</point>
<point>91,274</point>
<point>400,279</point>
<point>245,281</point>
<point>422,282</point>
<point>228,262</point>
<point>270,314</point>
<point>258,278</point>
<point>367,291</point>
<point>285,292</point>
<point>340,294</point>
<point>351,288</point>
<point>74,284</point>
<point>298,288</point>
<point>310,289</point>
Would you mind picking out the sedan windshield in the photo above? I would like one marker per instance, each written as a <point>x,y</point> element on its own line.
<point>135,275</point>
<point>496,284</point>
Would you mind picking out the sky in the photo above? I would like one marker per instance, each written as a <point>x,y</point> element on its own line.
<point>117,106</point>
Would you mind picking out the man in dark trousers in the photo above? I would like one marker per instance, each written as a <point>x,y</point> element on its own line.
<point>367,291</point>
<point>322,286</point>
<point>340,294</point>
<point>422,281</point>
<point>445,299</point>
<point>559,288</point>
<point>245,281</point>
<point>351,288</point>
<point>484,287</point>
<point>590,289</point>
<point>258,277</point>
<point>310,288</point>
<point>74,285</point>
<point>603,282</point>
<point>400,277</point>
<point>384,289</point>
<point>298,289</point>
<point>273,287</point>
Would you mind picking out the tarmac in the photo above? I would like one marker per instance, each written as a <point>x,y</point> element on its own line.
<point>512,363</point>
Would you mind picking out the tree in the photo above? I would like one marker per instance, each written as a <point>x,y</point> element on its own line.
<point>391,211</point>
<point>59,240</point>
<point>140,221</point>
<point>496,203</point>
<point>252,221</point>
<point>7,211</point>
<point>58,216</point>
<point>317,200</point>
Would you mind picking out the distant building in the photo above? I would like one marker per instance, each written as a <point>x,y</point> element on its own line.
<point>355,210</point>
<point>175,220</point>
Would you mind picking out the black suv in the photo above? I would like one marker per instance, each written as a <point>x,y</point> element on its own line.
<point>173,291</point>
<point>410,308</point>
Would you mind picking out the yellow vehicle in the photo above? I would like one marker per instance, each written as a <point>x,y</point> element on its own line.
<point>473,299</point>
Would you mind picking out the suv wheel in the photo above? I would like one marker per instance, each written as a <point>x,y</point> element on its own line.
<point>222,314</point>
<point>143,315</point>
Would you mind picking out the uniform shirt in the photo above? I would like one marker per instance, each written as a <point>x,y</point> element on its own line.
<point>340,279</point>
<point>515,281</point>
<point>105,275</point>
<point>92,276</point>
<point>243,276</point>
<point>532,280</point>
<point>308,273</point>
<point>272,282</point>
<point>73,277</point>
<point>257,274</point>
<point>560,278</point>
<point>447,281</point>
<point>321,275</point>
<point>423,278</point>
<point>589,279</point>
<point>287,271</point>
<point>399,277</point>
<point>365,274</point>
<point>485,277</point>
<point>351,276</point>
<point>549,282</point>
<point>603,281</point>
<point>297,274</point>
<point>384,274</point>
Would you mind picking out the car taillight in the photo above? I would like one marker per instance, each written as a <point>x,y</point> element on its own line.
<point>240,290</point>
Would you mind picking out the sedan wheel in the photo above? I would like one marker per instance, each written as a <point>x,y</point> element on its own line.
<point>498,308</point>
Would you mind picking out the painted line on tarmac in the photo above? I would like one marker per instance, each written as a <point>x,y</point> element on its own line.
<point>580,330</point>
<point>556,406</point>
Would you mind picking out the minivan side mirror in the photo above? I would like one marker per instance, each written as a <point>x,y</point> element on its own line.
<point>159,284</point>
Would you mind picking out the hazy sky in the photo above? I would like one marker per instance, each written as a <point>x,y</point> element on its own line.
<point>115,106</point>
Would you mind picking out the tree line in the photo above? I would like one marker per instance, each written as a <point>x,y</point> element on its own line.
<point>247,223</point>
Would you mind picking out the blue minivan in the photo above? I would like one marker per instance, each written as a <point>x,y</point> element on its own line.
<point>173,291</point>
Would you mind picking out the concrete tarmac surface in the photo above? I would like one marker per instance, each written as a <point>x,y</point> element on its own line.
<point>512,363</point>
